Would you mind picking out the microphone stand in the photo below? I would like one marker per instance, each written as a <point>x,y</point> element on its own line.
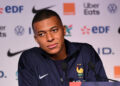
<point>92,67</point>
<point>64,68</point>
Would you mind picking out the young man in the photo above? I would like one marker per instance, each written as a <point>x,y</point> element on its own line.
<point>57,61</point>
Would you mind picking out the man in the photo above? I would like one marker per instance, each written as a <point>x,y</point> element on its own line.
<point>57,61</point>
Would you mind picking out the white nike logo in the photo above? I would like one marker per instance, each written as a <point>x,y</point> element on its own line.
<point>41,77</point>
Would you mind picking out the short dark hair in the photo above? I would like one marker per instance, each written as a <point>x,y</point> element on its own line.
<point>43,14</point>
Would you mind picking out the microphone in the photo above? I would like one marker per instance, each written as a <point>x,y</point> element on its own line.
<point>64,68</point>
<point>92,67</point>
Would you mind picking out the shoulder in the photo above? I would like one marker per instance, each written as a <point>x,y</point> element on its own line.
<point>30,53</point>
<point>87,51</point>
<point>83,46</point>
<point>32,50</point>
<point>30,57</point>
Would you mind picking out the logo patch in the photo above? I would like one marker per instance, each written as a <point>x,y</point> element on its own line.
<point>112,8</point>
<point>79,70</point>
<point>10,54</point>
<point>43,76</point>
<point>68,30</point>
<point>19,30</point>
<point>69,8</point>
<point>85,30</point>
<point>117,71</point>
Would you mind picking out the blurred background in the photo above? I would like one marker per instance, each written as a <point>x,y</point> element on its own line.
<point>96,22</point>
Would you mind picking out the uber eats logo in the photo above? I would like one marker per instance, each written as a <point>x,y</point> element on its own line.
<point>91,8</point>
<point>3,31</point>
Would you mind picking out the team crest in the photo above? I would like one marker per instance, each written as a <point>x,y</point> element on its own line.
<point>79,70</point>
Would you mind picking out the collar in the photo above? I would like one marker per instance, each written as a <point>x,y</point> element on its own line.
<point>71,49</point>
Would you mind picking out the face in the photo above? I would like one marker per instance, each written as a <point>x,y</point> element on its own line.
<point>49,34</point>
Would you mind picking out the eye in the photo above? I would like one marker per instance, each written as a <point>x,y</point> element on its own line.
<point>41,34</point>
<point>55,30</point>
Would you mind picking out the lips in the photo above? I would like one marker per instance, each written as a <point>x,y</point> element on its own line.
<point>52,46</point>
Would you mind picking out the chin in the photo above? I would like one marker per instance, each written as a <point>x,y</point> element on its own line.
<point>53,52</point>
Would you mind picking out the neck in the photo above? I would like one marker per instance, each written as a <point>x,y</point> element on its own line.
<point>61,55</point>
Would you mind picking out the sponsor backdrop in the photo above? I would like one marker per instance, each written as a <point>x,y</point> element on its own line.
<point>96,22</point>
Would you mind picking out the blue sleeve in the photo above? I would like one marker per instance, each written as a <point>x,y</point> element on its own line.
<point>26,74</point>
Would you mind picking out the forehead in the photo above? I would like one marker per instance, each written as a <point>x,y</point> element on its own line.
<point>47,23</point>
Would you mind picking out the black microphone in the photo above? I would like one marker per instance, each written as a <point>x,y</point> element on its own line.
<point>98,78</point>
<point>92,67</point>
<point>64,68</point>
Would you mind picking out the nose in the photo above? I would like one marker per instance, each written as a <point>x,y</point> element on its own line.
<point>49,37</point>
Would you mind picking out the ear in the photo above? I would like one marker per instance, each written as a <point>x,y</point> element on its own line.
<point>64,27</point>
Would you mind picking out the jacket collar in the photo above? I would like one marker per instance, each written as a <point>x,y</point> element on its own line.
<point>71,49</point>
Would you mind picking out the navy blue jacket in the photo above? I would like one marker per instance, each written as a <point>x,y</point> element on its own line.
<point>35,67</point>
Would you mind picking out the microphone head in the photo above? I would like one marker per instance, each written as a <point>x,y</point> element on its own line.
<point>91,66</point>
<point>64,66</point>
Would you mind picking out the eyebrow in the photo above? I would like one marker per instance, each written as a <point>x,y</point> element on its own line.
<point>45,31</point>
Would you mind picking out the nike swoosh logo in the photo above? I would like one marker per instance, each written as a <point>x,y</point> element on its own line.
<point>41,77</point>
<point>11,54</point>
<point>48,7</point>
<point>36,11</point>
